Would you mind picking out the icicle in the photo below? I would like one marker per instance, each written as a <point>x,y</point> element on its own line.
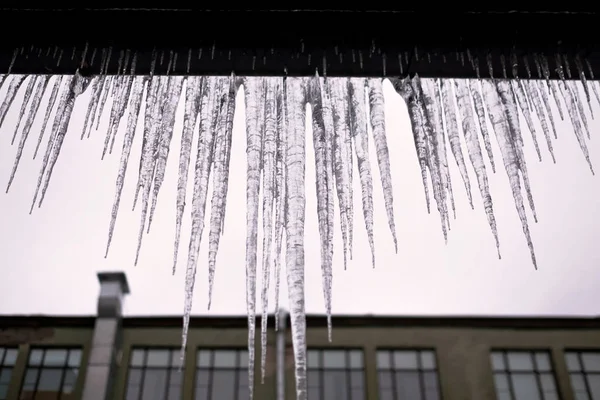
<point>194,92</point>
<point>498,118</point>
<point>10,95</point>
<point>532,89</point>
<point>358,117</point>
<point>295,211</point>
<point>164,141</point>
<point>269,154</point>
<point>107,83</point>
<point>572,110</point>
<point>474,149</point>
<point>97,83</point>
<point>132,119</point>
<point>49,108</point>
<point>572,88</point>
<point>377,113</point>
<point>26,98</point>
<point>522,103</point>
<point>453,135</point>
<point>584,83</point>
<point>35,105</point>
<point>480,112</point>
<point>546,102</point>
<point>542,62</point>
<point>594,84</point>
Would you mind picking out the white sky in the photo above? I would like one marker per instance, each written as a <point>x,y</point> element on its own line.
<point>50,258</point>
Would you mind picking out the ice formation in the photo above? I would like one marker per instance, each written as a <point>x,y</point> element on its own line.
<point>346,111</point>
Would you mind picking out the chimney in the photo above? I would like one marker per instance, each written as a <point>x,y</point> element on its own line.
<point>106,340</point>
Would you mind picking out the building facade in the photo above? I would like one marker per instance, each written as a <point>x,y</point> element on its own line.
<point>388,358</point>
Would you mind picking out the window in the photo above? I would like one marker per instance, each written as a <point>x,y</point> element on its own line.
<point>222,375</point>
<point>407,374</point>
<point>584,368</point>
<point>51,373</point>
<point>523,375</point>
<point>8,357</point>
<point>336,374</point>
<point>154,374</point>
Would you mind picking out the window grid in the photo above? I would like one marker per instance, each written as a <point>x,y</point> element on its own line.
<point>170,366</point>
<point>583,372</point>
<point>420,369</point>
<point>8,357</point>
<point>347,370</point>
<point>240,366</point>
<point>536,371</point>
<point>72,361</point>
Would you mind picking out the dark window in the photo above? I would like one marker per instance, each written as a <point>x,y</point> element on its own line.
<point>407,374</point>
<point>335,374</point>
<point>524,375</point>
<point>584,369</point>
<point>154,374</point>
<point>51,373</point>
<point>8,357</point>
<point>221,374</point>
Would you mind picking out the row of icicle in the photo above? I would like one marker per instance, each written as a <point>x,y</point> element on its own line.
<point>344,110</point>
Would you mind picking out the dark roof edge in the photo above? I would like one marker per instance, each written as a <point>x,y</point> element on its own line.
<point>514,322</point>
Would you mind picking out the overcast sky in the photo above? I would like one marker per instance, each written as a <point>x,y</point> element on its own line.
<point>50,258</point>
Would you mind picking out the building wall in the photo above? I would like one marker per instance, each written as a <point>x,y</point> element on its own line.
<point>463,354</point>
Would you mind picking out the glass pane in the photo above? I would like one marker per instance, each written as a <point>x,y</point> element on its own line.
<point>334,359</point>
<point>385,380</point>
<point>551,396</point>
<point>357,394</point>
<point>577,382</point>
<point>243,377</point>
<point>10,356</point>
<point>548,384</point>
<point>356,359</point>
<point>3,391</point>
<point>202,377</point>
<point>335,385</point>
<point>223,386</point>
<point>313,359</point>
<point>386,394</point>
<point>357,379</point>
<point>542,361</point>
<point>201,393</point>
<point>157,358</point>
<point>55,357</point>
<point>155,384</point>
<point>405,360</point>
<point>501,382</point>
<point>312,379</point>
<point>49,380</point>
<point>134,378</point>
<point>503,396</point>
<point>133,393</point>
<point>69,380</point>
<point>383,359</point>
<point>430,383</point>
<point>591,362</point>
<point>176,377</point>
<point>314,393</point>
<point>74,358</point>
<point>408,386</point>
<point>594,382</point>
<point>572,362</point>
<point>175,358</point>
<point>5,374</point>
<point>225,358</point>
<point>174,392</point>
<point>498,361</point>
<point>243,393</point>
<point>243,362</point>
<point>30,378</point>
<point>520,361</point>
<point>204,358</point>
<point>525,387</point>
<point>35,357</point>
<point>427,359</point>
<point>137,358</point>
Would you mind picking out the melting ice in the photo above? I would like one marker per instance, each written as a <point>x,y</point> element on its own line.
<point>348,113</point>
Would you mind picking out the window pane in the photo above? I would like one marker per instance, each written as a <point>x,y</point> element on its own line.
<point>356,359</point>
<point>243,361</point>
<point>243,393</point>
<point>49,380</point>
<point>225,358</point>
<point>201,393</point>
<point>157,358</point>
<point>548,384</point>
<point>74,358</point>
<point>137,358</point>
<point>520,361</point>
<point>175,358</point>
<point>10,357</point>
<point>133,393</point>
<point>35,357</point>
<point>3,391</point>
<point>134,377</point>
<point>501,382</point>
<point>542,361</point>
<point>357,394</point>
<point>204,358</point>
<point>405,359</point>
<point>223,386</point>
<point>427,359</point>
<point>334,359</point>
<point>498,361</point>
<point>430,383</point>
<point>357,379</point>
<point>55,357</point>
<point>525,387</point>
<point>202,377</point>
<point>5,374</point>
<point>386,394</point>
<point>385,380</point>
<point>407,384</point>
<point>572,362</point>
<point>155,384</point>
<point>314,393</point>
<point>335,385</point>
<point>594,382</point>
<point>591,362</point>
<point>383,359</point>
<point>312,379</point>
<point>313,359</point>
<point>69,379</point>
<point>30,378</point>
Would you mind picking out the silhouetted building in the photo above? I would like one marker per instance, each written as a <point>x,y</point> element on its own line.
<point>415,358</point>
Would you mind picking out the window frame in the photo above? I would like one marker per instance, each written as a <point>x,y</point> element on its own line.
<point>210,369</point>
<point>582,371</point>
<point>41,367</point>
<point>347,369</point>
<point>5,366</point>
<point>535,371</point>
<point>420,370</point>
<point>144,367</point>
